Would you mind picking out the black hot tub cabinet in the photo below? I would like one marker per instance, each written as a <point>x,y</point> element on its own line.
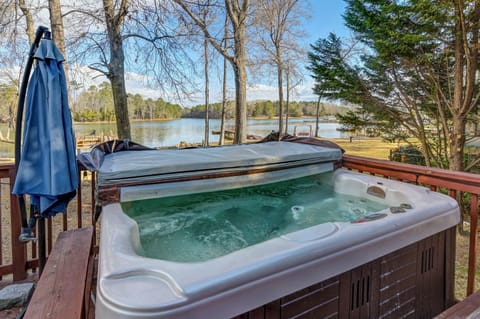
<point>412,282</point>
<point>398,266</point>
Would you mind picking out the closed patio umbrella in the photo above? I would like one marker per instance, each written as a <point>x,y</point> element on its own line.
<point>47,168</point>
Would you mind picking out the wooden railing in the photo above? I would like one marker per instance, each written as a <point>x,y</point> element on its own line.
<point>457,184</point>
<point>19,259</point>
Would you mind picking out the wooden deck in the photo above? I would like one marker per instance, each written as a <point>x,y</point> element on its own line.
<point>63,290</point>
<point>88,141</point>
<point>468,308</point>
<point>305,130</point>
<point>20,264</point>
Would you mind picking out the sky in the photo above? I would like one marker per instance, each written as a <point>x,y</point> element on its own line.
<point>326,17</point>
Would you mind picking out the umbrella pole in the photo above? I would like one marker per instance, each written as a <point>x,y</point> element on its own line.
<point>26,233</point>
<point>37,220</point>
<point>41,245</point>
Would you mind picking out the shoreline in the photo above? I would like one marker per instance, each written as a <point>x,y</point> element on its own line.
<point>373,147</point>
<point>321,120</point>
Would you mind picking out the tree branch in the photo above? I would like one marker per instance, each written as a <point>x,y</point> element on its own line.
<point>90,14</point>
<point>204,28</point>
<point>106,73</point>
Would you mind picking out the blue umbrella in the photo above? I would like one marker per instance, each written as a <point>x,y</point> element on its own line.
<point>47,170</point>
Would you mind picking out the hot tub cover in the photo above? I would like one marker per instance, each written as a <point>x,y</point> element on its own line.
<point>131,166</point>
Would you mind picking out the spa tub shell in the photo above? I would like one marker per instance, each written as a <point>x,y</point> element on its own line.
<point>131,286</point>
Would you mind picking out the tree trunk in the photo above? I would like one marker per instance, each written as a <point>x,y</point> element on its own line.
<point>240,72</point>
<point>224,91</point>
<point>120,99</point>
<point>425,152</point>
<point>287,102</point>
<point>457,143</point>
<point>241,104</point>
<point>475,130</point>
<point>456,138</point>
<point>237,12</point>
<point>116,67</point>
<point>58,34</point>
<point>207,126</point>
<point>28,21</point>
<point>280,94</point>
<point>317,115</point>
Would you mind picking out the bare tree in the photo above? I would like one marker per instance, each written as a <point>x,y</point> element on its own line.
<point>56,25</point>
<point>466,96</point>
<point>292,79</point>
<point>16,23</point>
<point>114,20</point>
<point>148,31</point>
<point>289,87</point>
<point>237,11</point>
<point>16,15</point>
<point>277,22</point>
<point>205,16</point>
<point>28,20</point>
<point>207,92</point>
<point>99,34</point>
<point>224,83</point>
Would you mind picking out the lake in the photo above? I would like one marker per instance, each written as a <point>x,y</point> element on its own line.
<point>172,132</point>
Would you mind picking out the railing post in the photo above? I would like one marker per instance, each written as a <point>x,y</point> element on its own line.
<point>79,200</point>
<point>93,188</point>
<point>93,211</point>
<point>19,250</point>
<point>472,255</point>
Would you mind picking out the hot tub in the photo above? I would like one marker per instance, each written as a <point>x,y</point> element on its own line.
<point>387,263</point>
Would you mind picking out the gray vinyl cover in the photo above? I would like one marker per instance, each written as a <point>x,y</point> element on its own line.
<point>141,166</point>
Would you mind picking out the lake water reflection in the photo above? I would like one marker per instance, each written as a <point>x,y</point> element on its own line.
<point>169,133</point>
<point>172,132</point>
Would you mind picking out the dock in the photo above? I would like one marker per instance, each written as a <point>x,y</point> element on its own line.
<point>88,141</point>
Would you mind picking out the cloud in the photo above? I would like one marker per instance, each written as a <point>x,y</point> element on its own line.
<point>305,92</point>
<point>262,92</point>
<point>135,84</point>
<point>267,92</point>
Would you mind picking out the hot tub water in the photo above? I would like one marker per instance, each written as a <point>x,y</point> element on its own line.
<point>199,227</point>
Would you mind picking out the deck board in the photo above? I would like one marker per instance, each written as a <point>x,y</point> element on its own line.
<point>468,308</point>
<point>60,290</point>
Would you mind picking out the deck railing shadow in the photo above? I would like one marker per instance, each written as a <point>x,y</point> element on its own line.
<point>18,260</point>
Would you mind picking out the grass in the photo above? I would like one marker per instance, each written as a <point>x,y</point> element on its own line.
<point>461,265</point>
<point>374,147</point>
